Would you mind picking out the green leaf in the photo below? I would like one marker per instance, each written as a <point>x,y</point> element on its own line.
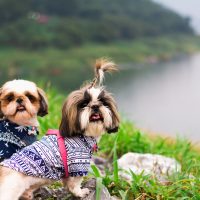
<point>123,194</point>
<point>96,171</point>
<point>115,164</point>
<point>99,187</point>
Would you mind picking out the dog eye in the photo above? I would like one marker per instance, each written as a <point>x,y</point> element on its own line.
<point>83,104</point>
<point>104,102</point>
<point>10,98</point>
<point>31,97</point>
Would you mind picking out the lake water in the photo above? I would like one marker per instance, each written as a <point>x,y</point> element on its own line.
<point>162,98</point>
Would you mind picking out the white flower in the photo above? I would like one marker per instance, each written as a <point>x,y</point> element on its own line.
<point>21,128</point>
<point>1,153</point>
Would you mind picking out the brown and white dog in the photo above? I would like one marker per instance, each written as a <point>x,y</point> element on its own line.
<point>86,114</point>
<point>21,102</point>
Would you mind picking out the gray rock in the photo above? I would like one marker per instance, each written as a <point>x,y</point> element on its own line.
<point>99,160</point>
<point>45,193</point>
<point>158,166</point>
<point>101,164</point>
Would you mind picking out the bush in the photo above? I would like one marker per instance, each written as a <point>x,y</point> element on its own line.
<point>74,23</point>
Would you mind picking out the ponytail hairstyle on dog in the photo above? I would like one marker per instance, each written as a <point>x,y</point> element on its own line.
<point>102,65</point>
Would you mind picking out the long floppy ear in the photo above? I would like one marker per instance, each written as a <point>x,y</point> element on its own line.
<point>70,125</point>
<point>115,116</point>
<point>64,128</point>
<point>113,130</point>
<point>43,110</point>
<point>115,124</point>
<point>1,113</point>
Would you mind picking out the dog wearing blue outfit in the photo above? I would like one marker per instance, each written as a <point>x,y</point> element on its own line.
<point>21,102</point>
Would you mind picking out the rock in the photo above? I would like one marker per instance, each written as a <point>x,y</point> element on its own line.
<point>101,164</point>
<point>99,160</point>
<point>158,166</point>
<point>45,193</point>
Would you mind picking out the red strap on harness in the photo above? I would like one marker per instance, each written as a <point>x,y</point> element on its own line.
<point>61,145</point>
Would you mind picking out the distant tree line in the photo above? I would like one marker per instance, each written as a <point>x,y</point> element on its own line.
<point>65,23</point>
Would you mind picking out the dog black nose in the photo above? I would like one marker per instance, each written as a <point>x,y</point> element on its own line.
<point>95,108</point>
<point>19,100</point>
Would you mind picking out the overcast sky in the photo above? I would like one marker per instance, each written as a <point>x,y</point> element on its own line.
<point>189,8</point>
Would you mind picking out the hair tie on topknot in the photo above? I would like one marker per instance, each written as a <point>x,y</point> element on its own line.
<point>102,65</point>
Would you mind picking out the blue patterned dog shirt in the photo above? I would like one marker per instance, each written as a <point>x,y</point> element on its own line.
<point>42,158</point>
<point>14,137</point>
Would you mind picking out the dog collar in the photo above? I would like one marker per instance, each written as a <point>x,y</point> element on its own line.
<point>33,130</point>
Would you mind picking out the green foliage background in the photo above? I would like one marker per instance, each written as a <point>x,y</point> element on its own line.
<point>72,23</point>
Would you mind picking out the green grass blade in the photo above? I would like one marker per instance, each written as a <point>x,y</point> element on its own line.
<point>123,194</point>
<point>96,171</point>
<point>99,187</point>
<point>115,164</point>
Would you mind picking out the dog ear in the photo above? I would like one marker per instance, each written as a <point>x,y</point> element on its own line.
<point>64,128</point>
<point>115,121</point>
<point>115,125</point>
<point>115,117</point>
<point>43,110</point>
<point>69,125</point>
<point>113,130</point>
<point>1,113</point>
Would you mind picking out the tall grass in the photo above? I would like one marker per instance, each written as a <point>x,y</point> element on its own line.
<point>52,120</point>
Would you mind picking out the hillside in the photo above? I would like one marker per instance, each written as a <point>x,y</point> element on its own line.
<point>66,23</point>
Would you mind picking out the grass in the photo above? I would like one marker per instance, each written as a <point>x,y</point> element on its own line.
<point>184,185</point>
<point>52,120</point>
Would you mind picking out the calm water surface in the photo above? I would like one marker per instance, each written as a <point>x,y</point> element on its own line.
<point>163,98</point>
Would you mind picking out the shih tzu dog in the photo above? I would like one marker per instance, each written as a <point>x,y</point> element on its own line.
<point>86,114</point>
<point>21,102</point>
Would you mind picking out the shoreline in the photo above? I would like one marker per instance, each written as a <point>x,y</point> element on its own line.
<point>73,66</point>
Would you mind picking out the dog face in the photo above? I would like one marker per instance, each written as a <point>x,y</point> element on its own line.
<point>89,111</point>
<point>22,100</point>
